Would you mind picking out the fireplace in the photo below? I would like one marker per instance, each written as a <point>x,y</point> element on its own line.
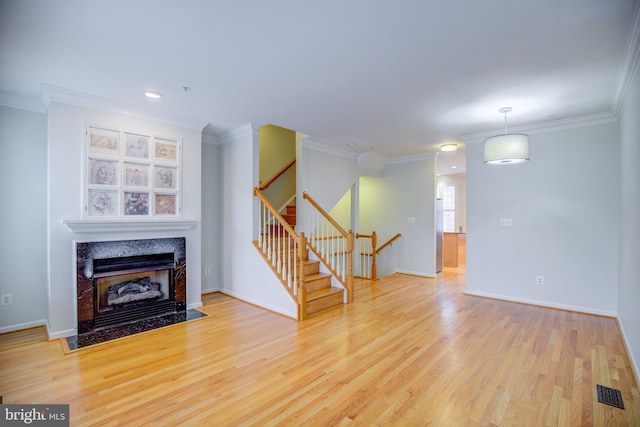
<point>129,280</point>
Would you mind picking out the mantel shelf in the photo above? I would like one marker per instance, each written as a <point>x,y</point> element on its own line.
<point>102,226</point>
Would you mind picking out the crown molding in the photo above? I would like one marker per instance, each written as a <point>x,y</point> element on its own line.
<point>329,150</point>
<point>557,125</point>
<point>66,96</point>
<point>244,131</point>
<point>630,64</point>
<point>412,158</point>
<point>353,155</point>
<point>36,105</point>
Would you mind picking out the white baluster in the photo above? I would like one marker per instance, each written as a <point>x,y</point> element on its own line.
<point>260,224</point>
<point>288,261</point>
<point>324,239</point>
<point>268,235</point>
<point>295,267</point>
<point>338,256</point>
<point>333,249</point>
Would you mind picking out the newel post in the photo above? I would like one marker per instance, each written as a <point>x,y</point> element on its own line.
<point>374,266</point>
<point>350,244</point>
<point>302,290</point>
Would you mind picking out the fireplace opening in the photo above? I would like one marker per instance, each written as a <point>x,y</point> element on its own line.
<point>128,281</point>
<point>133,287</point>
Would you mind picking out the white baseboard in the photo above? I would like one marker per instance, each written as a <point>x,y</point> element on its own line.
<point>194,305</point>
<point>210,290</point>
<point>577,309</point>
<point>61,334</point>
<point>415,273</point>
<point>275,309</point>
<point>634,362</point>
<point>20,326</point>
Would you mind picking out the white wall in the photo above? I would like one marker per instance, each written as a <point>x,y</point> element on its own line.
<point>326,176</point>
<point>405,190</point>
<point>245,275</point>
<point>23,138</point>
<point>564,206</point>
<point>341,211</point>
<point>211,217</point>
<point>629,267</point>
<point>65,163</point>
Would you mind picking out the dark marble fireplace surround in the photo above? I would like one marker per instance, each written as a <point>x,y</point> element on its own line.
<point>89,252</point>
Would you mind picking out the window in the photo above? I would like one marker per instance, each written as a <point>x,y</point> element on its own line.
<point>449,208</point>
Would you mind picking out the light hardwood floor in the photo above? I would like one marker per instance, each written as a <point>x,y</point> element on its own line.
<point>409,351</point>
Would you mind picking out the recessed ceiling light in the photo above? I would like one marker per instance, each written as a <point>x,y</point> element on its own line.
<point>153,94</point>
<point>454,167</point>
<point>449,147</point>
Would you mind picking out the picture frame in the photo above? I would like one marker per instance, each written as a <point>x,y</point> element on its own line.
<point>136,146</point>
<point>103,202</point>
<point>103,172</point>
<point>165,177</point>
<point>103,141</point>
<point>136,174</point>
<point>165,151</point>
<point>166,204</point>
<point>136,203</point>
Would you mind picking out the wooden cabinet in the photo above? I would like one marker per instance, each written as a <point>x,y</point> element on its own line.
<point>454,249</point>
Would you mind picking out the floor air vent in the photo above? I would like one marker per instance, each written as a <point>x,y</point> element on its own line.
<point>610,396</point>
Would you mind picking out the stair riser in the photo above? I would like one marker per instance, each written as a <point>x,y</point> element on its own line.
<point>311,268</point>
<point>314,285</point>
<point>325,302</point>
<point>291,219</point>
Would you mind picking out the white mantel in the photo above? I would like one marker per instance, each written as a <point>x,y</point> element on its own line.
<point>112,226</point>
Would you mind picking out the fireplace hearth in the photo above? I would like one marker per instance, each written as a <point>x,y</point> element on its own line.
<point>128,281</point>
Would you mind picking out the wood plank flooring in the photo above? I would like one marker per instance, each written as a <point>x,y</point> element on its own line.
<point>409,351</point>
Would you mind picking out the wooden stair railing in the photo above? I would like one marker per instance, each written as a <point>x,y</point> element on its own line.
<point>277,175</point>
<point>283,249</point>
<point>331,244</point>
<point>368,257</point>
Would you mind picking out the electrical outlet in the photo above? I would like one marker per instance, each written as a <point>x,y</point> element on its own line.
<point>539,280</point>
<point>6,299</point>
<point>207,271</point>
<point>411,220</point>
<point>506,222</point>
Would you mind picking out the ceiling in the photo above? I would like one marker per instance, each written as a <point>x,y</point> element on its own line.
<point>393,77</point>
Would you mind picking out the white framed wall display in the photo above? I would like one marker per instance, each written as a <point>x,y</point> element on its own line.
<point>131,175</point>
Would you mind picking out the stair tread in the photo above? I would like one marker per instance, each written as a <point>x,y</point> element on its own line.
<point>320,293</point>
<point>316,276</point>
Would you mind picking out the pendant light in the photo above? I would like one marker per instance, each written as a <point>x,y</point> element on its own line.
<point>507,149</point>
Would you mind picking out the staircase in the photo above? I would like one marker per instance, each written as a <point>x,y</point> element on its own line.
<point>320,294</point>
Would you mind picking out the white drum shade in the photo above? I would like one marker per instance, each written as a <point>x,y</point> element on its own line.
<point>508,149</point>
